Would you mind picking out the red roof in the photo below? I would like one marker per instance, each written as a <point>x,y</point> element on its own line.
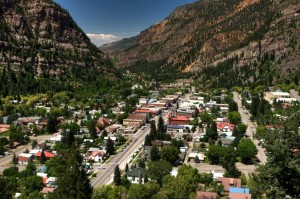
<point>180,118</point>
<point>240,196</point>
<point>47,154</point>
<point>224,124</point>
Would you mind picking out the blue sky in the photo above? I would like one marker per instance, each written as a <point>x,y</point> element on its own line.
<point>105,21</point>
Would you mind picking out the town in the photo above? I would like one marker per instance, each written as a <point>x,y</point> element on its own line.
<point>218,135</point>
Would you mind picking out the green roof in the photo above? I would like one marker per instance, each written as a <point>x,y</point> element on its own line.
<point>136,172</point>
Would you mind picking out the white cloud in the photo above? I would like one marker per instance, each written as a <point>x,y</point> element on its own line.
<point>100,39</point>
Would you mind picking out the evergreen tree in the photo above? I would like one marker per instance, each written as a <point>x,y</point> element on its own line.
<point>154,154</point>
<point>14,159</point>
<point>160,125</point>
<point>43,157</point>
<point>126,168</point>
<point>92,129</point>
<point>153,132</point>
<point>110,148</point>
<point>117,176</point>
<point>147,141</point>
<point>51,123</point>
<point>72,180</point>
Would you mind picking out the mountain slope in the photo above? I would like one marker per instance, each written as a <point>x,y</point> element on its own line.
<point>41,46</point>
<point>206,33</point>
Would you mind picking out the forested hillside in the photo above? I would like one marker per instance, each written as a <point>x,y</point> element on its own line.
<point>244,37</point>
<point>43,49</point>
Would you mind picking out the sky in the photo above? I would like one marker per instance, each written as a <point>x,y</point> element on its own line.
<point>106,21</point>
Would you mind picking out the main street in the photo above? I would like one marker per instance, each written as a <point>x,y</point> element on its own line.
<point>105,176</point>
<point>251,128</point>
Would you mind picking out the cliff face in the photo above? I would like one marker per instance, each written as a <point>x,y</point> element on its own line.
<point>39,34</point>
<point>205,33</point>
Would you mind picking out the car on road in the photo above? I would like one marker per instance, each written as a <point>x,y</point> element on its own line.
<point>102,167</point>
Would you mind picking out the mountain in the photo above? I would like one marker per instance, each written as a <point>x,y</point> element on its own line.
<point>42,49</point>
<point>200,36</point>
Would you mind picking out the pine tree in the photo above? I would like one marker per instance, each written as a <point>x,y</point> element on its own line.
<point>14,159</point>
<point>117,176</point>
<point>43,157</point>
<point>147,141</point>
<point>154,154</point>
<point>126,168</point>
<point>110,148</point>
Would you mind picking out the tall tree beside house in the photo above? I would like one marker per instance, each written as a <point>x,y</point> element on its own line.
<point>280,176</point>
<point>33,143</point>
<point>110,147</point>
<point>92,129</point>
<point>43,157</point>
<point>126,168</point>
<point>117,176</point>
<point>72,180</point>
<point>51,123</point>
<point>170,154</point>
<point>153,132</point>
<point>14,159</point>
<point>233,105</point>
<point>147,141</point>
<point>154,154</point>
<point>161,126</point>
<point>246,150</point>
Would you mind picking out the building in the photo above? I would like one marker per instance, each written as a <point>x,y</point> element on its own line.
<point>48,154</point>
<point>136,175</point>
<point>105,121</point>
<point>24,158</point>
<point>135,120</point>
<point>179,120</point>
<point>278,96</point>
<point>225,128</point>
<point>229,182</point>
<point>206,195</point>
<point>239,196</point>
<point>175,129</point>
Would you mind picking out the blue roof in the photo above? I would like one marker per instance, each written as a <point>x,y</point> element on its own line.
<point>239,190</point>
<point>175,126</point>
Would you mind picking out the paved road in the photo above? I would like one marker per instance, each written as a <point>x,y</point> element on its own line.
<point>6,160</point>
<point>251,128</point>
<point>105,176</point>
<point>295,94</point>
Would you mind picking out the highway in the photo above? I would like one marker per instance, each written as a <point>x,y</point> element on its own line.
<point>251,128</point>
<point>105,176</point>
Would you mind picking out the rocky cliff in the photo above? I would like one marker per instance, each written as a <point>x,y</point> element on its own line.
<point>206,33</point>
<point>39,39</point>
<point>43,34</point>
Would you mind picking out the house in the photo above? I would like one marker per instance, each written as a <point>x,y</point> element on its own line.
<point>179,120</point>
<point>24,158</point>
<point>4,128</point>
<point>48,154</point>
<point>206,195</point>
<point>28,120</point>
<point>136,175</point>
<point>105,121</point>
<point>239,196</point>
<point>226,141</point>
<point>95,154</point>
<point>201,156</point>
<point>56,137</point>
<point>229,182</point>
<point>239,190</point>
<point>225,128</point>
<point>157,143</point>
<point>47,190</point>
